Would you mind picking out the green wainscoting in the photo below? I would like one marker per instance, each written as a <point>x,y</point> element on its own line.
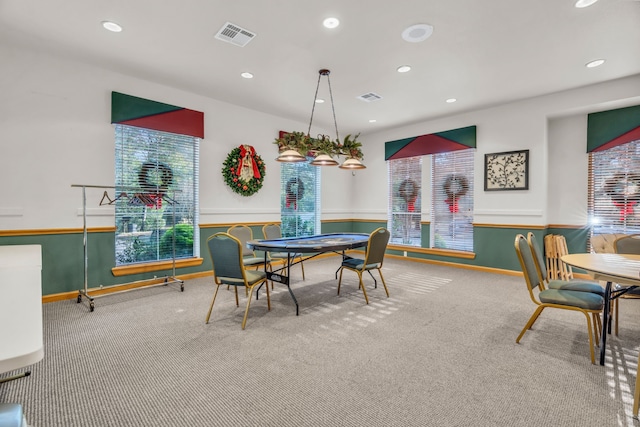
<point>63,267</point>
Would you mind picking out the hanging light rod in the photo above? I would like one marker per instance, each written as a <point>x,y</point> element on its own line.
<point>297,146</point>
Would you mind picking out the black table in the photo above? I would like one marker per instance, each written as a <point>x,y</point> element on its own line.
<point>316,245</point>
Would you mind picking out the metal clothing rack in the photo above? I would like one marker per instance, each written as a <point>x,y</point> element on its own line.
<point>85,290</point>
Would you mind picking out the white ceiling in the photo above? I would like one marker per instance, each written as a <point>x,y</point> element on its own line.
<point>481,52</point>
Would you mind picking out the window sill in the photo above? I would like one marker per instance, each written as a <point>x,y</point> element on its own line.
<point>433,251</point>
<point>154,266</point>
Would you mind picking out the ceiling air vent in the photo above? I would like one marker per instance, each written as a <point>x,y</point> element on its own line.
<point>369,97</point>
<point>234,34</point>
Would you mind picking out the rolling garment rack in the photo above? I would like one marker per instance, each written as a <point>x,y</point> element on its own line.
<point>143,196</point>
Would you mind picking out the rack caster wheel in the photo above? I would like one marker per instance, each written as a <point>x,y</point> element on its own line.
<point>181,287</point>
<point>79,300</point>
<point>91,307</point>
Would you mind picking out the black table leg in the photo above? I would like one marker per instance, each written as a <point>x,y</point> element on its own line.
<point>606,318</point>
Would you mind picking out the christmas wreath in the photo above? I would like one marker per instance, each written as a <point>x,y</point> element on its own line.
<point>160,171</point>
<point>244,170</point>
<point>624,191</point>
<point>293,195</point>
<point>408,191</point>
<point>455,186</point>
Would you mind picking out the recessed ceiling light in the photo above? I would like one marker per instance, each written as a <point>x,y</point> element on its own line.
<point>584,3</point>
<point>372,121</point>
<point>331,22</point>
<point>246,75</point>
<point>595,63</point>
<point>319,101</point>
<point>451,100</point>
<point>404,68</point>
<point>111,26</point>
<point>417,33</point>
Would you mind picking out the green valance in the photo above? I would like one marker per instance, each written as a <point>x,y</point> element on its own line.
<point>440,142</point>
<point>610,128</point>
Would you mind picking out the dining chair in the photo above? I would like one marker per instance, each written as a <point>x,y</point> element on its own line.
<point>373,259</point>
<point>567,284</point>
<point>228,269</point>
<point>627,244</point>
<point>274,231</point>
<point>590,304</point>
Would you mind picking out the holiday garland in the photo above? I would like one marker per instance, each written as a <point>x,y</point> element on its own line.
<point>232,167</point>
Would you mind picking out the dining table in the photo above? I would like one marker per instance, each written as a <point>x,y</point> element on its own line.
<point>623,269</point>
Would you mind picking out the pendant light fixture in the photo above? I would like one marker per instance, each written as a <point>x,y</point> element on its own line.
<point>294,146</point>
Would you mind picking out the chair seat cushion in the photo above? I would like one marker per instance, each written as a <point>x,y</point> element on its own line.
<point>584,300</point>
<point>251,275</point>
<point>252,260</point>
<point>358,264</point>
<point>577,285</point>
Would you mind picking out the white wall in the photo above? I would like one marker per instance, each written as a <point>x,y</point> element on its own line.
<point>55,131</point>
<point>558,160</point>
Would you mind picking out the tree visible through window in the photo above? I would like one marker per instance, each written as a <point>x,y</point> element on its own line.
<point>300,199</point>
<point>156,187</point>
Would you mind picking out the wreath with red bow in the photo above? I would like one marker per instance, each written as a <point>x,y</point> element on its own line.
<point>244,157</point>
<point>624,191</point>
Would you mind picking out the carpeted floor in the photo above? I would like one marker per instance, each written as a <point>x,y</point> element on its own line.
<point>440,351</point>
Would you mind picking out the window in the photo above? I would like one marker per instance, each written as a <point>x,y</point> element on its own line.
<point>157,183</point>
<point>405,201</point>
<point>614,189</point>
<point>452,200</point>
<point>300,199</point>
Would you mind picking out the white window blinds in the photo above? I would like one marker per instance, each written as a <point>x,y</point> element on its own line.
<point>452,200</point>
<point>614,189</point>
<point>300,199</point>
<point>405,201</point>
<point>157,187</point>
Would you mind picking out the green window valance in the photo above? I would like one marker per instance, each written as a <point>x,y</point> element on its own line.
<point>433,143</point>
<point>144,113</point>
<point>611,128</point>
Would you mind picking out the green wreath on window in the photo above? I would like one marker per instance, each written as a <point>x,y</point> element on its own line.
<point>244,170</point>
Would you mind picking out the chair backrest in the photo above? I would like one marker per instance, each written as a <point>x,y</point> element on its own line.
<point>244,234</point>
<point>629,244</point>
<point>527,264</point>
<point>226,256</point>
<point>377,246</point>
<point>271,231</point>
<point>538,259</point>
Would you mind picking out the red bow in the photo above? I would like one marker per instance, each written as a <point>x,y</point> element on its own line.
<point>626,208</point>
<point>453,205</point>
<point>243,153</point>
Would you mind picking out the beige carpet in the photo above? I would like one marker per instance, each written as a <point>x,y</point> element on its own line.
<point>440,351</point>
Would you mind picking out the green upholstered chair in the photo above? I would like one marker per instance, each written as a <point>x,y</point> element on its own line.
<point>627,244</point>
<point>249,257</point>
<point>373,259</point>
<point>588,303</point>
<point>571,284</point>
<point>273,231</point>
<point>228,269</point>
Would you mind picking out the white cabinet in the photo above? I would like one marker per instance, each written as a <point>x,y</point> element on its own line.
<point>20,306</point>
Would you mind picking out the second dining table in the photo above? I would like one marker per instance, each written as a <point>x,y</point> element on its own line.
<point>611,268</point>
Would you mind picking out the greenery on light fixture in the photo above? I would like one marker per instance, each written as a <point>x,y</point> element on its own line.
<point>309,146</point>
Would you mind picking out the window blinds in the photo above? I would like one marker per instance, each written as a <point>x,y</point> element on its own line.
<point>157,190</point>
<point>300,199</point>
<point>405,201</point>
<point>614,189</point>
<point>452,200</point>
